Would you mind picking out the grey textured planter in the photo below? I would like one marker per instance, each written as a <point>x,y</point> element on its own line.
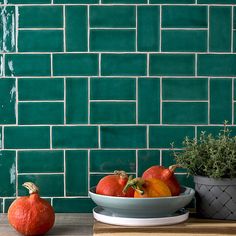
<point>216,198</point>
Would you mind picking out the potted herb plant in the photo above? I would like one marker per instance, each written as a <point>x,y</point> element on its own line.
<point>212,162</point>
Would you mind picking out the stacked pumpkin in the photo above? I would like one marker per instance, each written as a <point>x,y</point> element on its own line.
<point>157,181</point>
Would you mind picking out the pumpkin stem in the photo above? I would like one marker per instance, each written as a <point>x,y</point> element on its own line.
<point>31,187</point>
<point>121,173</point>
<point>173,167</point>
<point>135,183</point>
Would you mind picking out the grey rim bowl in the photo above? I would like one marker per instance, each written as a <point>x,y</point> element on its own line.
<point>143,207</point>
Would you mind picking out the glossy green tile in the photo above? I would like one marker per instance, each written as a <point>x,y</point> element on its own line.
<point>76,21</point>
<point>112,89</point>
<point>184,17</point>
<point>163,136</point>
<point>234,41</point>
<point>77,1</point>
<point>8,173</point>
<point>112,40</point>
<point>27,65</point>
<point>149,93</point>
<point>184,40</point>
<point>7,203</point>
<point>220,101</point>
<point>113,112</point>
<point>76,101</point>
<point>216,2</point>
<point>29,1</point>
<point>112,16</point>
<point>168,160</point>
<point>110,160</point>
<point>75,64</point>
<point>148,28</point>
<point>40,41</point>
<point>40,161</point>
<point>94,178</point>
<point>7,29</point>
<point>123,64</point>
<point>75,137</point>
<point>124,1</point>
<point>172,1</point>
<point>185,112</point>
<point>123,137</point>
<point>76,173</point>
<point>185,89</point>
<point>185,180</point>
<point>41,113</point>
<point>215,130</point>
<point>26,137</point>
<point>220,29</point>
<point>49,185</point>
<point>172,64</point>
<point>50,89</point>
<point>7,101</point>
<point>211,64</point>
<point>146,159</point>
<point>73,205</point>
<point>41,16</point>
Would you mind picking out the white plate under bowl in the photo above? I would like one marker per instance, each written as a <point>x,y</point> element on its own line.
<point>107,217</point>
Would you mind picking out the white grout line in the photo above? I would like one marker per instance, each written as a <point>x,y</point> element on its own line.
<point>196,63</point>
<point>50,137</point>
<point>17,101</point>
<point>99,64</point>
<point>137,162</point>
<point>209,101</point>
<point>148,64</point>
<point>232,31</point>
<point>88,174</point>
<point>64,101</point>
<point>233,80</point>
<point>41,101</point>
<point>160,157</point>
<point>147,136</point>
<point>195,132</point>
<point>161,100</point>
<point>185,101</point>
<point>17,25</point>
<point>17,174</point>
<point>89,100</point>
<point>208,31</point>
<point>64,160</point>
<point>112,28</point>
<point>40,29</point>
<point>137,100</point>
<point>160,27</point>
<point>51,64</point>
<point>64,27</point>
<point>99,136</point>
<point>2,137</point>
<point>136,28</point>
<point>185,29</point>
<point>41,173</point>
<point>88,42</point>
<point>112,101</point>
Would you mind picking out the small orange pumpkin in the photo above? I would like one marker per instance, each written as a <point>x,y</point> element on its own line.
<point>148,188</point>
<point>31,215</point>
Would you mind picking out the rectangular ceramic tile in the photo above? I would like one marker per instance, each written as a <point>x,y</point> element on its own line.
<point>113,112</point>
<point>49,185</point>
<point>40,161</point>
<point>110,160</point>
<point>112,16</point>
<point>112,89</point>
<point>185,112</point>
<point>123,64</point>
<point>73,205</point>
<point>27,65</point>
<point>29,1</point>
<point>40,41</point>
<point>163,136</point>
<point>76,173</point>
<point>76,101</point>
<point>26,137</point>
<point>75,64</point>
<point>215,130</point>
<point>76,1</point>
<point>185,180</point>
<point>148,28</point>
<point>172,64</point>
<point>184,17</point>
<point>168,160</point>
<point>184,40</point>
<point>220,101</point>
<point>148,93</point>
<point>146,159</point>
<point>123,136</point>
<point>50,89</point>
<point>172,1</point>
<point>112,40</point>
<point>41,16</point>
<point>7,203</point>
<point>7,101</point>
<point>211,65</point>
<point>220,29</point>
<point>216,2</point>
<point>7,29</point>
<point>41,113</point>
<point>76,35</point>
<point>124,1</point>
<point>8,173</point>
<point>74,137</point>
<point>185,89</point>
<point>95,178</point>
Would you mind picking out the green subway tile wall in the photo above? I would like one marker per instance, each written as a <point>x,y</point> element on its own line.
<point>90,86</point>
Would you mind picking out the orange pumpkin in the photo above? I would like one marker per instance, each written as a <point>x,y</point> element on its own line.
<point>148,188</point>
<point>31,215</point>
